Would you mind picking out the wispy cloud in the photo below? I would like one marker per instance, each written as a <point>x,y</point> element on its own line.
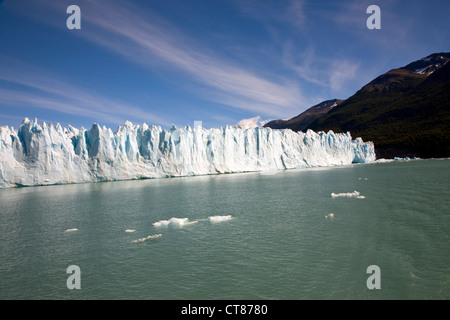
<point>304,63</point>
<point>37,88</point>
<point>331,73</point>
<point>291,12</point>
<point>342,72</point>
<point>396,29</point>
<point>145,39</point>
<point>296,14</point>
<point>141,40</point>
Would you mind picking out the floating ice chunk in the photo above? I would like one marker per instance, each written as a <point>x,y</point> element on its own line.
<point>177,222</point>
<point>330,216</point>
<point>215,219</point>
<point>71,230</point>
<point>354,194</point>
<point>173,222</point>
<point>161,223</point>
<point>151,237</point>
<point>130,230</point>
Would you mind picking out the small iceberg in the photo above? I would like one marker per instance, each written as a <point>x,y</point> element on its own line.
<point>130,230</point>
<point>216,219</point>
<point>405,158</point>
<point>71,230</point>
<point>330,216</point>
<point>151,237</point>
<point>354,194</point>
<point>173,222</point>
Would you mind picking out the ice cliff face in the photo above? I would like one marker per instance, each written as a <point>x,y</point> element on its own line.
<point>47,154</point>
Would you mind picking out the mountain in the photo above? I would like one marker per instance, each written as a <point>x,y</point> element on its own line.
<point>303,120</point>
<point>46,154</point>
<point>405,111</point>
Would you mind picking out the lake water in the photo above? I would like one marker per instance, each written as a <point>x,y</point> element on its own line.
<point>280,243</point>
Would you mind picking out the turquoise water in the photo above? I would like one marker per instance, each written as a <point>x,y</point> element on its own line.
<point>279,243</point>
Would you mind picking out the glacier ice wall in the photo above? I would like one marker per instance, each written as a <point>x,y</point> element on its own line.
<point>50,154</point>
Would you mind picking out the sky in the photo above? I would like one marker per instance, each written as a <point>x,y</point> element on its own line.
<point>174,62</point>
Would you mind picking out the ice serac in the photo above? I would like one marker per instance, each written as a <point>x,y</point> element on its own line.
<point>41,154</point>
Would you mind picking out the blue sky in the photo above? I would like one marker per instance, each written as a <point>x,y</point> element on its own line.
<point>179,61</point>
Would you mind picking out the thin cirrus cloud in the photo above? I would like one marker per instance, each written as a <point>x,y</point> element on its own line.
<point>148,40</point>
<point>48,91</point>
<point>145,39</point>
<point>342,71</point>
<point>329,73</point>
<point>291,12</point>
<point>398,29</point>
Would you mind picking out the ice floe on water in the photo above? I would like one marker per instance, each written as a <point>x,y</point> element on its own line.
<point>216,219</point>
<point>174,222</point>
<point>405,159</point>
<point>178,223</point>
<point>181,222</point>
<point>354,194</point>
<point>150,237</point>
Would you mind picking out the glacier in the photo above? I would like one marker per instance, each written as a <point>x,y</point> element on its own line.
<point>46,154</point>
